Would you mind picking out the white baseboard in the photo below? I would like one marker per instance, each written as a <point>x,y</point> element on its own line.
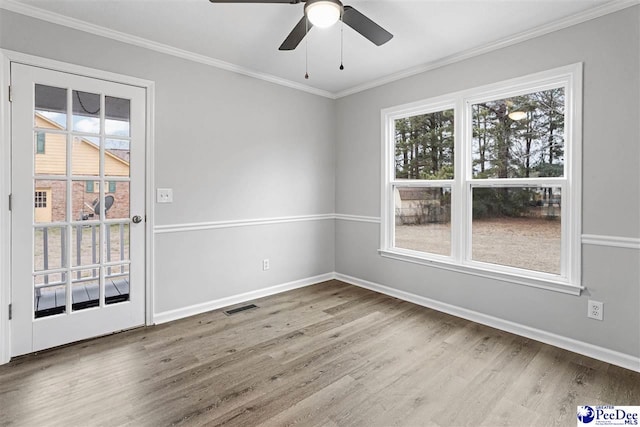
<point>600,353</point>
<point>586,349</point>
<point>180,313</point>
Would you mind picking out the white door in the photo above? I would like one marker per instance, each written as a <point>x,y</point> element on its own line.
<point>77,272</point>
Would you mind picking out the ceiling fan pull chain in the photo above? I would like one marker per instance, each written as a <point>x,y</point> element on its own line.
<point>341,44</point>
<point>306,49</point>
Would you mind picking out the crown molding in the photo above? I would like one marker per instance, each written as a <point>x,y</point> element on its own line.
<point>55,18</point>
<point>596,12</point>
<point>76,24</point>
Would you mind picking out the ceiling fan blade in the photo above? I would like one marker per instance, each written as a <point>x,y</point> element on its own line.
<point>296,35</point>
<point>256,1</point>
<point>365,26</point>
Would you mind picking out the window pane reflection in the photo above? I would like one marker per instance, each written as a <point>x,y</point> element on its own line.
<point>519,137</point>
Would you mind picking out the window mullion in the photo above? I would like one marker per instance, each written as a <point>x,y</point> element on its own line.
<point>388,176</point>
<point>514,166</point>
<point>459,202</point>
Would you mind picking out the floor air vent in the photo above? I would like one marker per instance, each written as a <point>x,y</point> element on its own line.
<point>239,309</point>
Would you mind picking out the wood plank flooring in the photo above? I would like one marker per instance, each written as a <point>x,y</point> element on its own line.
<point>326,355</point>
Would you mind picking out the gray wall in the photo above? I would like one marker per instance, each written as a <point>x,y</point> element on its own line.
<point>235,148</point>
<point>609,47</point>
<point>232,148</point>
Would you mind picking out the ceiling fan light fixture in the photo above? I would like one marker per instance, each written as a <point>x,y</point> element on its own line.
<point>517,115</point>
<point>323,13</point>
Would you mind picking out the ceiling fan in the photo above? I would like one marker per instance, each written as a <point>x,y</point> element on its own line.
<point>324,13</point>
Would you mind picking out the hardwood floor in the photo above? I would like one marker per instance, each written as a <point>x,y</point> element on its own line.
<point>327,355</point>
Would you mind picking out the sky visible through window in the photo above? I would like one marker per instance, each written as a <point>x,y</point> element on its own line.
<point>114,127</point>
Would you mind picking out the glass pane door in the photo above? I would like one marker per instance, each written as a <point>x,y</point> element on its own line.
<point>81,148</point>
<point>84,139</point>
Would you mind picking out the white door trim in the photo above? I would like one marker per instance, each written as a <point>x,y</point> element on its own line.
<point>6,57</point>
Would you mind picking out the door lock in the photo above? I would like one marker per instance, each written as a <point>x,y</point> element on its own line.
<point>136,219</point>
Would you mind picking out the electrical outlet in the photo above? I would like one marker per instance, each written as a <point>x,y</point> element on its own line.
<point>265,264</point>
<point>164,195</point>
<point>595,310</point>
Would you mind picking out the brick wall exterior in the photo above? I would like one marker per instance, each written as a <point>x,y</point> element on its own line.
<point>119,210</point>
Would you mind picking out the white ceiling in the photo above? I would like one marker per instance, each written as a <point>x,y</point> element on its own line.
<point>248,35</point>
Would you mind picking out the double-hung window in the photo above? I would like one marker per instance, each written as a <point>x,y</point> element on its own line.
<point>487,181</point>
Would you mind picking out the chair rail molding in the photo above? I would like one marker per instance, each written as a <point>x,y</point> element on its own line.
<point>611,241</point>
<point>211,225</point>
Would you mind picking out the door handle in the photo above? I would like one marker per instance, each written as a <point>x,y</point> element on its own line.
<point>136,219</point>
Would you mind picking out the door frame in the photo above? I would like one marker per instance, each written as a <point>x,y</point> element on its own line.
<point>6,58</point>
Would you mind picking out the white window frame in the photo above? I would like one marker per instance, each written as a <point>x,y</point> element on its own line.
<point>569,280</point>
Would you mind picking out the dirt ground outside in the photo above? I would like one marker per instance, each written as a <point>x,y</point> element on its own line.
<point>529,243</point>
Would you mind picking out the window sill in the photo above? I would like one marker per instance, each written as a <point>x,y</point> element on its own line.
<point>548,284</point>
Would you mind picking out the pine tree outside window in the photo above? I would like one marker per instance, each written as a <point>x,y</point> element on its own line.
<point>487,181</point>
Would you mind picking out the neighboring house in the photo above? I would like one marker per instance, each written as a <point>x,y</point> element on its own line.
<point>50,159</point>
<point>421,206</point>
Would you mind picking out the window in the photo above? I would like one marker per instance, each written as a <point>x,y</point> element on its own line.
<point>94,186</point>
<point>40,199</point>
<point>424,171</point>
<point>487,181</point>
<point>40,142</point>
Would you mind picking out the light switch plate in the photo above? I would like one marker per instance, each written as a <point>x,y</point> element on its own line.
<point>164,195</point>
